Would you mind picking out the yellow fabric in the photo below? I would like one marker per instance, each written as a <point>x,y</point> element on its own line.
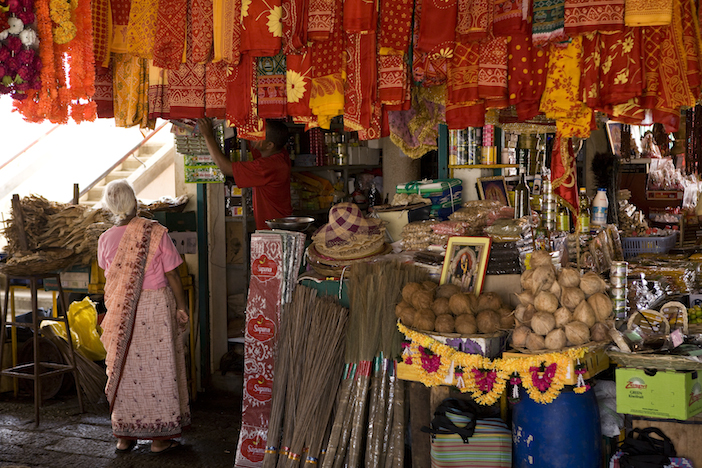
<point>142,28</point>
<point>130,87</point>
<point>217,29</point>
<point>648,12</point>
<point>560,100</point>
<point>157,76</point>
<point>327,98</point>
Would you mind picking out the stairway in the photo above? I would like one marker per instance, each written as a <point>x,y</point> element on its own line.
<point>140,167</point>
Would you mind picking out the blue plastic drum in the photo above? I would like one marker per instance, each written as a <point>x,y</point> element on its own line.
<point>563,434</point>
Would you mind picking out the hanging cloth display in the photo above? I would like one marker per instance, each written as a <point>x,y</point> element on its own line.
<point>360,16</point>
<point>527,65</point>
<point>270,81</point>
<point>511,17</point>
<point>159,104</point>
<point>131,78</point>
<point>437,27</point>
<point>393,83</point>
<point>395,26</point>
<point>415,131</point>
<point>201,31</point>
<point>692,45</point>
<point>648,12</point>
<point>240,85</point>
<point>547,22</point>
<point>227,19</point>
<point>261,27</point>
<point>141,30</point>
<point>492,76</point>
<point>103,97</point>
<point>463,73</point>
<point>361,80</point>
<point>327,93</point>
<point>102,31</point>
<point>428,69</point>
<point>474,21</point>
<point>584,16</point>
<point>561,98</point>
<point>298,84</point>
<point>320,20</point>
<point>169,45</point>
<point>119,10</point>
<point>294,26</point>
<point>563,172</point>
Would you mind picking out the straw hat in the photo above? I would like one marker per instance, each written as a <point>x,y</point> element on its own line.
<point>348,225</point>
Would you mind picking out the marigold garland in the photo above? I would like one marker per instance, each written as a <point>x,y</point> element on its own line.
<point>485,379</point>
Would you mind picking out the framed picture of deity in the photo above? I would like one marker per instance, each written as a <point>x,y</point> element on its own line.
<point>493,188</point>
<point>465,263</point>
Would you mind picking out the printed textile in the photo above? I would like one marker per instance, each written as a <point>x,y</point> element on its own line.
<point>320,20</point>
<point>393,83</point>
<point>361,80</point>
<point>272,100</point>
<point>119,10</point>
<point>201,31</point>
<point>103,97</point>
<point>261,27</point>
<point>227,14</point>
<point>171,25</point>
<point>547,23</point>
<point>298,83</point>
<point>527,67</point>
<point>583,16</point>
<point>130,88</point>
<point>492,76</point>
<point>197,90</point>
<point>327,93</point>
<point>429,69</point>
<point>294,26</point>
<point>563,172</point>
<point>437,27</point>
<point>415,131</point>
<point>395,26</point>
<point>102,31</point>
<point>141,30</point>
<point>511,17</point>
<point>648,12</point>
<point>474,20</point>
<point>159,104</point>
<point>360,16</point>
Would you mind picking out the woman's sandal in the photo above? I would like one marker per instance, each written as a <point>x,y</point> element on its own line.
<point>174,444</point>
<point>128,448</point>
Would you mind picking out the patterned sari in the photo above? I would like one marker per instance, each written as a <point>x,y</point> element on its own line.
<point>146,386</point>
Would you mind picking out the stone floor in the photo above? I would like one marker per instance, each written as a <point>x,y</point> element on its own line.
<point>68,438</point>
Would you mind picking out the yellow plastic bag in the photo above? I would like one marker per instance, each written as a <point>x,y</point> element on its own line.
<point>85,332</point>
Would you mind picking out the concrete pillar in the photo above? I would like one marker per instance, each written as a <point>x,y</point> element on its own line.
<point>398,168</point>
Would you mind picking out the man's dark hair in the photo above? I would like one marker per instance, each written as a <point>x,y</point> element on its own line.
<point>277,133</point>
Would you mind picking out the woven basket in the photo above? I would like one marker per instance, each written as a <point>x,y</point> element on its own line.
<point>676,313</point>
<point>650,360</point>
<point>650,321</point>
<point>58,260</point>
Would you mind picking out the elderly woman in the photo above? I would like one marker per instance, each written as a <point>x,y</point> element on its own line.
<point>146,314</point>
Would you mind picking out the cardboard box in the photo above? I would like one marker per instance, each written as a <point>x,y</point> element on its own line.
<point>595,361</point>
<point>75,279</point>
<point>695,299</point>
<point>185,242</point>
<point>665,394</point>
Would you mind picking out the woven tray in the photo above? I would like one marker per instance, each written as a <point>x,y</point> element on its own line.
<point>650,360</point>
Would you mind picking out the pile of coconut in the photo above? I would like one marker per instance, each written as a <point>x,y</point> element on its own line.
<point>561,309</point>
<point>429,307</point>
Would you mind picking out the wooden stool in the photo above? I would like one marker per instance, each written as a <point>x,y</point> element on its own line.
<point>38,369</point>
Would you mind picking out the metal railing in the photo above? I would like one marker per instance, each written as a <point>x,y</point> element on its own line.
<point>120,161</point>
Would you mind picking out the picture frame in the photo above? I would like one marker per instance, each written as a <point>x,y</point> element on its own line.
<point>465,263</point>
<point>493,188</point>
<point>614,136</point>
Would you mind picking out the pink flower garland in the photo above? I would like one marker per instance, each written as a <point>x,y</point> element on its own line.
<point>430,361</point>
<point>19,63</point>
<point>484,379</point>
<point>542,381</point>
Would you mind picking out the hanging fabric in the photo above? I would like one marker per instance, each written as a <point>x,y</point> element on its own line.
<point>102,31</point>
<point>360,16</point>
<point>547,22</point>
<point>511,17</point>
<point>298,83</point>
<point>103,96</point>
<point>119,10</point>
<point>492,76</point>
<point>294,26</point>
<point>563,172</point>
<point>320,20</point>
<point>227,19</point>
<point>131,75</point>
<point>169,45</point>
<point>648,12</point>
<point>474,21</point>
<point>270,74</point>
<point>200,31</point>
<point>584,16</point>
<point>361,81</point>
<point>428,69</point>
<point>327,94</point>
<point>527,65</point>
<point>159,103</point>
<point>141,30</point>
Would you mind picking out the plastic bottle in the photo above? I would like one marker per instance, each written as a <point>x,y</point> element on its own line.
<point>583,212</point>
<point>599,208</point>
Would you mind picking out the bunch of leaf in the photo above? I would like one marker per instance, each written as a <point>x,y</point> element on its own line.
<point>445,309</point>
<point>559,309</point>
<point>52,225</point>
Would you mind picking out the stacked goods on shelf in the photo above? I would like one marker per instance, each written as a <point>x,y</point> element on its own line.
<point>445,194</point>
<point>445,309</point>
<point>311,191</point>
<point>560,309</point>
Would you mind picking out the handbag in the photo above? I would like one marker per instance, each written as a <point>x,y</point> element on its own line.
<point>461,439</point>
<point>641,450</point>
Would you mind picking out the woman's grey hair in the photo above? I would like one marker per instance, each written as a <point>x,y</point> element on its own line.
<point>119,197</point>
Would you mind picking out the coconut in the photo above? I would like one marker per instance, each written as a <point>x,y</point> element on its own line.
<point>460,304</point>
<point>542,279</point>
<point>543,322</point>
<point>591,283</point>
<point>525,298</point>
<point>556,339</point>
<point>540,258</point>
<point>569,278</point>
<point>519,336</point>
<point>429,285</point>
<point>447,290</point>
<point>526,280</point>
<point>555,289</point>
<point>401,305</point>
<point>407,316</point>
<point>465,324</point>
<point>546,302</point>
<point>444,323</point>
<point>506,321</point>
<point>535,342</point>
<point>489,300</point>
<point>524,313</point>
<point>440,306</point>
<point>408,290</point>
<point>599,332</point>
<point>488,321</point>
<point>473,300</point>
<point>584,313</point>
<point>563,315</point>
<point>422,299</point>
<point>424,320</point>
<point>601,305</point>
<point>577,333</point>
<point>571,297</point>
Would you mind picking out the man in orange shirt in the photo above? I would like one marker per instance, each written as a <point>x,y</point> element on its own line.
<point>268,174</point>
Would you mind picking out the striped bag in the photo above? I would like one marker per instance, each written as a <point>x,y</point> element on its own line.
<point>459,439</point>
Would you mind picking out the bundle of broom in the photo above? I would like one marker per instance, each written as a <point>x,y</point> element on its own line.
<point>370,404</point>
<point>313,332</point>
<point>92,377</point>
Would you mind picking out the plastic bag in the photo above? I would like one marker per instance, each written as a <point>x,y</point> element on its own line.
<point>85,332</point>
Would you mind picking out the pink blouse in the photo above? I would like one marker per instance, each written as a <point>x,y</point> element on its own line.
<point>166,258</point>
